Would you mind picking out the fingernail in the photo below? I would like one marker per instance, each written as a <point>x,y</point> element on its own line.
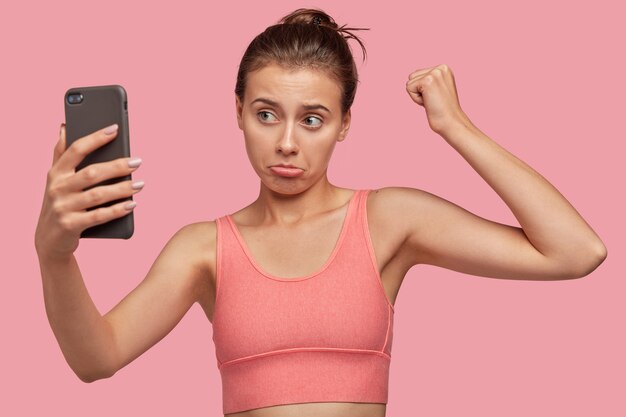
<point>135,162</point>
<point>110,129</point>
<point>137,185</point>
<point>130,205</point>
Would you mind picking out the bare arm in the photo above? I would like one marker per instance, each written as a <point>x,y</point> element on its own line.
<point>96,346</point>
<point>83,336</point>
<point>554,241</point>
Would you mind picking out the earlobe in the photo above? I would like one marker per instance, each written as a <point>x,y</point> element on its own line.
<point>345,125</point>
<point>239,109</point>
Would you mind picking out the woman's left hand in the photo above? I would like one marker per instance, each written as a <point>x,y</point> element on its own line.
<point>434,89</point>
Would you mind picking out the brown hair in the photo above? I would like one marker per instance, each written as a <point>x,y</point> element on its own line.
<point>305,38</point>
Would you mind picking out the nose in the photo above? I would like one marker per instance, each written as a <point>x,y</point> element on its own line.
<point>287,143</point>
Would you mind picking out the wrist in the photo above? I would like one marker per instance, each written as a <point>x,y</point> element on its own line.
<point>52,257</point>
<point>457,127</point>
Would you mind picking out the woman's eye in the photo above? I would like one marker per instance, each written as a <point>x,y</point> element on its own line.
<point>266,116</point>
<point>313,121</point>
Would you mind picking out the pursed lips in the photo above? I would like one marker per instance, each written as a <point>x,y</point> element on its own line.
<point>286,170</point>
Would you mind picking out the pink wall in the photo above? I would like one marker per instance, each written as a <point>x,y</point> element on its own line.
<point>545,80</point>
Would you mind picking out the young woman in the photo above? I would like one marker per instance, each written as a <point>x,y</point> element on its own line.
<point>300,284</point>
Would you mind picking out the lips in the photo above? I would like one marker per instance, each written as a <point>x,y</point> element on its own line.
<point>285,170</point>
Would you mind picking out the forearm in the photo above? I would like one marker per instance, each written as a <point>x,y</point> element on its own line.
<point>84,336</point>
<point>550,222</point>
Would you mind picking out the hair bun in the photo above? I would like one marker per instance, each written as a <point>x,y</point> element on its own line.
<point>309,16</point>
<point>319,17</point>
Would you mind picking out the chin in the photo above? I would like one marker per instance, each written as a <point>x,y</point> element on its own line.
<point>293,188</point>
<point>284,186</point>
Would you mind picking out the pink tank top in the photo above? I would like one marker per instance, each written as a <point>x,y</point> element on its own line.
<point>325,337</point>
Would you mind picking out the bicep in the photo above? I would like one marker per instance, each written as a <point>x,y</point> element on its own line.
<point>441,233</point>
<point>150,311</point>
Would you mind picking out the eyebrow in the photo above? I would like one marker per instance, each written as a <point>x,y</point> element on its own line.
<point>305,106</point>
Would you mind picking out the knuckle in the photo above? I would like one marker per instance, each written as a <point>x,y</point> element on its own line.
<point>443,67</point>
<point>97,215</point>
<point>66,224</point>
<point>120,210</point>
<point>95,195</point>
<point>123,165</point>
<point>53,191</point>
<point>58,208</point>
<point>126,186</point>
<point>50,176</point>
<point>90,172</point>
<point>53,181</point>
<point>78,148</point>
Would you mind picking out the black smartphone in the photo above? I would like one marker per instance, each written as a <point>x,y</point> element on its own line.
<point>88,109</point>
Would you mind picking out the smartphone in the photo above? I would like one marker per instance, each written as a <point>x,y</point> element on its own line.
<point>88,109</point>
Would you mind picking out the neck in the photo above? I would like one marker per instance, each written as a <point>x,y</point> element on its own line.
<point>273,207</point>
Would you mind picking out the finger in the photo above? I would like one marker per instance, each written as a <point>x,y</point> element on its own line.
<point>80,148</point>
<point>422,84</point>
<point>416,97</point>
<point>419,72</point>
<point>98,172</point>
<point>60,146</point>
<point>101,195</point>
<point>416,85</point>
<point>415,88</point>
<point>447,75</point>
<point>444,76</point>
<point>440,69</point>
<point>82,220</point>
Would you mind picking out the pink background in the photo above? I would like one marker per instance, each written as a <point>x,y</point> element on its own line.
<point>543,79</point>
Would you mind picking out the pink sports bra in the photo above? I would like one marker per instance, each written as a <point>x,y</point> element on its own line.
<point>325,337</point>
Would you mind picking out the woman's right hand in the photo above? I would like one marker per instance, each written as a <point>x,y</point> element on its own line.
<point>63,213</point>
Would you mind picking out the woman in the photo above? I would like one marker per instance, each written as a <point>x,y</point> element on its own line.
<point>300,284</point>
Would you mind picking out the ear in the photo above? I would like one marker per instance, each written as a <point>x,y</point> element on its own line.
<point>239,108</point>
<point>345,125</point>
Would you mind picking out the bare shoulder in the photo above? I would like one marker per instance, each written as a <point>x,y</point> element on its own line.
<point>388,222</point>
<point>199,234</point>
<point>200,240</point>
<point>395,197</point>
<point>389,206</point>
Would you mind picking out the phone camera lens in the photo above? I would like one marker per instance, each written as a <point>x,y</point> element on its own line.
<point>75,98</point>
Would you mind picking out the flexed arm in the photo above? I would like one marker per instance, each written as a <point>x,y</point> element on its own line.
<point>554,241</point>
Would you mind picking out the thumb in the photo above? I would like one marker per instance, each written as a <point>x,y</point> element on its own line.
<point>415,88</point>
<point>60,146</point>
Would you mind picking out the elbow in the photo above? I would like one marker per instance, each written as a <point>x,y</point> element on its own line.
<point>599,255</point>
<point>92,377</point>
<point>92,374</point>
<point>585,265</point>
<point>89,377</point>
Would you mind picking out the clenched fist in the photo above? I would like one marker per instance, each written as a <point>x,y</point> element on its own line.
<point>434,89</point>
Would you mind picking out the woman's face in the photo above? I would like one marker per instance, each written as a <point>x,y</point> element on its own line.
<point>291,120</point>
